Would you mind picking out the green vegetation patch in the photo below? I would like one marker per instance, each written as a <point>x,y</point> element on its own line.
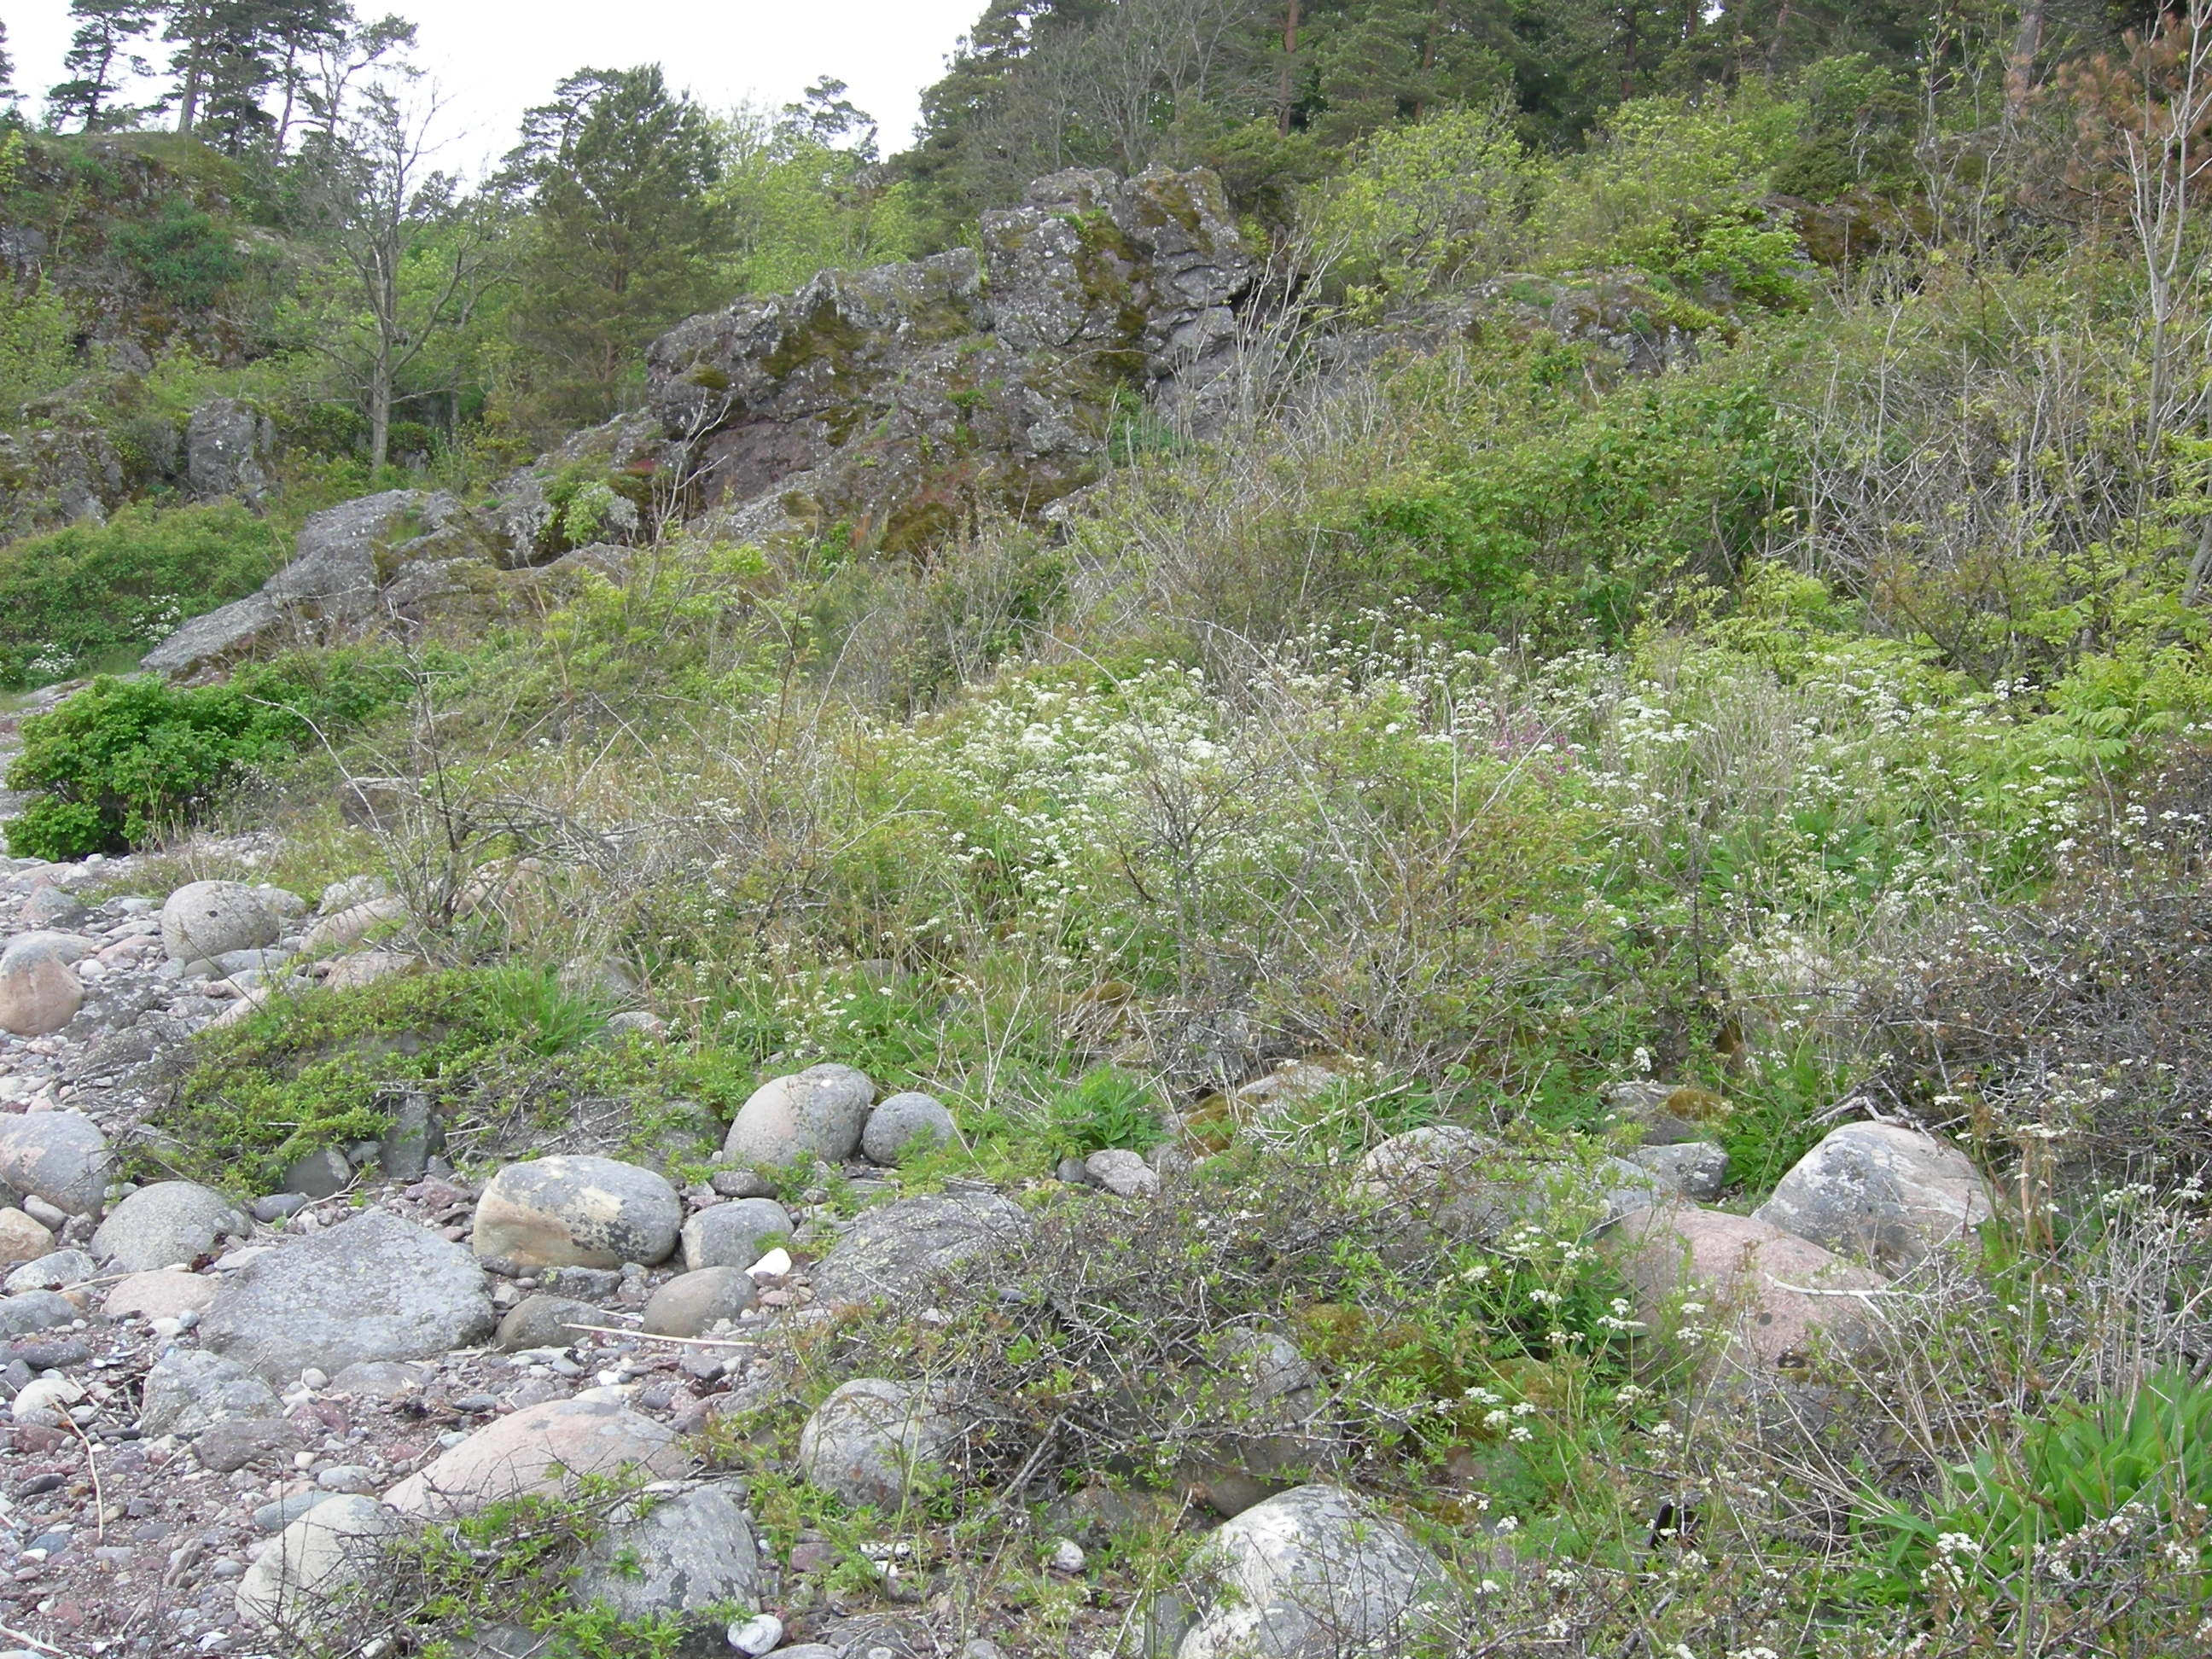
<point>496,1051</point>
<point>71,596</point>
<point>125,761</point>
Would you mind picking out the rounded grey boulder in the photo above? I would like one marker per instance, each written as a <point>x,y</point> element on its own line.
<point>690,1304</point>
<point>872,1441</point>
<point>190,1390</point>
<point>168,1224</point>
<point>906,1126</point>
<point>577,1212</point>
<point>688,1557</point>
<point>376,1287</point>
<point>207,918</point>
<point>733,1235</point>
<point>60,1156</point>
<point>819,1112</point>
<point>1309,1571</point>
<point>539,1320</point>
<point>1882,1192</point>
<point>894,1251</point>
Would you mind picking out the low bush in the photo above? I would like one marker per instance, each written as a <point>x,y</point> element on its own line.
<point>505,1057</point>
<point>127,760</point>
<point>71,596</point>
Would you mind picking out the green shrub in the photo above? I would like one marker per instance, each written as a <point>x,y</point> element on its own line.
<point>1425,204</point>
<point>72,595</point>
<point>1104,1108</point>
<point>126,759</point>
<point>185,253</point>
<point>2134,1462</point>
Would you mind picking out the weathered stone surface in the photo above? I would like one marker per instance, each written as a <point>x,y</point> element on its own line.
<point>53,906</point>
<point>219,637</point>
<point>36,1310</point>
<point>851,399</point>
<point>169,1224</point>
<point>1881,1192</point>
<point>376,1287</point>
<point>1764,1292</point>
<point>60,1156</point>
<point>162,1294</point>
<point>1449,1178</point>
<point>540,1320</point>
<point>322,1173</point>
<point>354,924</point>
<point>542,1448</point>
<point>39,991</point>
<point>332,574</point>
<point>733,1235</point>
<point>414,1136</point>
<point>873,1440</point>
<point>315,1562</point>
<point>577,1211</point>
<point>1696,1169</point>
<point>896,1250</point>
<point>1309,1572</point>
<point>819,1112</point>
<point>1259,1380</point>
<point>22,1238</point>
<point>1122,1172</point>
<point>906,1126</point>
<point>58,1270</point>
<point>690,1304</point>
<point>238,1442</point>
<point>686,1556</point>
<point>189,1390</point>
<point>350,973</point>
<point>227,446</point>
<point>204,919</point>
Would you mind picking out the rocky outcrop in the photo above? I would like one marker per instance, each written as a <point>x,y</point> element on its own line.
<point>331,584</point>
<point>227,446</point>
<point>897,401</point>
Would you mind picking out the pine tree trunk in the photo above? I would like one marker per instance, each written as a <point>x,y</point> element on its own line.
<point>1290,59</point>
<point>2019,69</point>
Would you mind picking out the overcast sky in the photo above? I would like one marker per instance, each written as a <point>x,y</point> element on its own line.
<point>494,58</point>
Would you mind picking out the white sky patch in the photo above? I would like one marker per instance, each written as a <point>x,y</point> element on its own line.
<point>492,59</point>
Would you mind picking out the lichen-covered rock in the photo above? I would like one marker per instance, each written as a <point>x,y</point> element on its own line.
<point>734,1234</point>
<point>900,398</point>
<point>687,1556</point>
<point>204,920</point>
<point>227,446</point>
<point>189,1390</point>
<point>1312,1572</point>
<point>817,1113</point>
<point>59,1156</point>
<point>906,1126</point>
<point>1879,1192</point>
<point>168,1224</point>
<point>873,1440</point>
<point>577,1212</point>
<point>895,1251</point>
<point>376,1287</point>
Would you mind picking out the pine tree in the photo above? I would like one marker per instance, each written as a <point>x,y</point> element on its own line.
<point>618,170</point>
<point>99,60</point>
<point>6,67</point>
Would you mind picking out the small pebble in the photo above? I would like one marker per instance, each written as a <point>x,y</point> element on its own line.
<point>1068,1557</point>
